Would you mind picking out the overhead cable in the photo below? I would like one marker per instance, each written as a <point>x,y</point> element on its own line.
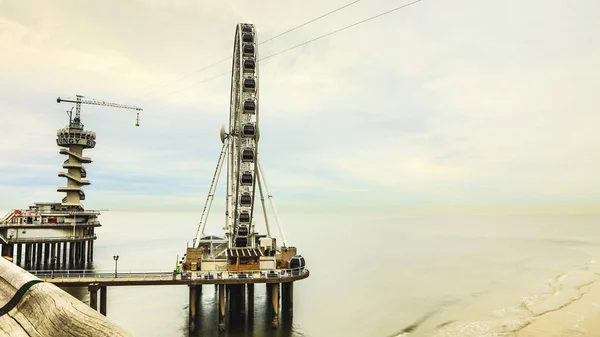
<point>230,57</point>
<point>304,43</point>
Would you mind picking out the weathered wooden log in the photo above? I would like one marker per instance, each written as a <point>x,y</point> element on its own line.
<point>31,307</point>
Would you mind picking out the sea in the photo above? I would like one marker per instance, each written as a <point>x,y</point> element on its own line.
<point>371,274</point>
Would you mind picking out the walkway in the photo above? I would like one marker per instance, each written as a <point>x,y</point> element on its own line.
<point>83,278</point>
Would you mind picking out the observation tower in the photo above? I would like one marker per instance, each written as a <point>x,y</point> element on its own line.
<point>59,235</point>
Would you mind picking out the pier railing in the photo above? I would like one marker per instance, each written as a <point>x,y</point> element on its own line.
<point>61,223</point>
<point>49,239</point>
<point>84,275</point>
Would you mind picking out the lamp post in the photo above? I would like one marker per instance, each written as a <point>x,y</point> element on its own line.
<point>116,258</point>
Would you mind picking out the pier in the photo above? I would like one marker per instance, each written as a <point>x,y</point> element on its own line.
<point>235,288</point>
<point>45,235</point>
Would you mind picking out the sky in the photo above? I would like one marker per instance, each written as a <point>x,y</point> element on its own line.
<point>442,105</point>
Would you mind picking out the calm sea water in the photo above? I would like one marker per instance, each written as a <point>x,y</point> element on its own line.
<point>371,274</point>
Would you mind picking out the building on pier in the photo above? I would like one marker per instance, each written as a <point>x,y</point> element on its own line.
<point>50,232</point>
<point>59,233</point>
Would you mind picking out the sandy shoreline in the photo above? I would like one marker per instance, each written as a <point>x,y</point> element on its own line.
<point>579,318</point>
<point>568,306</point>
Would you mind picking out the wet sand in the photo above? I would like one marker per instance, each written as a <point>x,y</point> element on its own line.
<point>569,306</point>
<point>579,318</point>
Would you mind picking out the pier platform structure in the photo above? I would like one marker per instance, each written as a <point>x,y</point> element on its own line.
<point>49,235</point>
<point>59,234</point>
<point>234,288</point>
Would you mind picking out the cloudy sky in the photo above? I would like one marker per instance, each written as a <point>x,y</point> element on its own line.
<point>463,104</point>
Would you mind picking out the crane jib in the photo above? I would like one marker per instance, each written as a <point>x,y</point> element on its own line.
<point>102,103</point>
<point>75,122</point>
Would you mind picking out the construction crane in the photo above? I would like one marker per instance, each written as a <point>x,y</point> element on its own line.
<point>75,122</point>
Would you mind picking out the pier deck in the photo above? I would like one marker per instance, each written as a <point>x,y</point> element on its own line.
<point>85,278</point>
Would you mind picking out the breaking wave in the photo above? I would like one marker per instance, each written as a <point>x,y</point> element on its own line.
<point>559,292</point>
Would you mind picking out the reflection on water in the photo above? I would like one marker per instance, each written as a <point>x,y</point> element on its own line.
<point>239,320</point>
<point>80,293</point>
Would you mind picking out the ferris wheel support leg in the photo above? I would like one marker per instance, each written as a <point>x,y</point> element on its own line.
<point>211,195</point>
<point>262,201</point>
<point>262,174</point>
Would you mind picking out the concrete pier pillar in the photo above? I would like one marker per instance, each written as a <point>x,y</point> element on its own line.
<point>57,253</point>
<point>287,296</point>
<point>242,297</point>
<point>33,255</point>
<point>192,307</point>
<point>103,300</point>
<point>64,253</point>
<point>19,254</point>
<point>274,287</point>
<point>77,252</point>
<point>53,254</point>
<point>71,253</point>
<point>199,301</point>
<point>93,288</point>
<point>83,252</point>
<point>39,251</point>
<point>46,253</point>
<point>235,293</point>
<point>67,253</point>
<point>7,250</point>
<point>250,299</point>
<point>221,307</point>
<point>27,255</point>
<point>91,250</point>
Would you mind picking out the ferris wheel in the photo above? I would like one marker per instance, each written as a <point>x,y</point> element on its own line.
<point>240,148</point>
<point>243,138</point>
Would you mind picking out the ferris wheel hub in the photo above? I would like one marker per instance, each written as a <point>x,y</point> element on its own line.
<point>223,134</point>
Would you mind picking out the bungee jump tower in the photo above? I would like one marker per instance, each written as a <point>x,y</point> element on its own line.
<point>58,235</point>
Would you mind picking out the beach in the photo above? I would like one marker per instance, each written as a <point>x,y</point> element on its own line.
<point>569,305</point>
<point>581,317</point>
